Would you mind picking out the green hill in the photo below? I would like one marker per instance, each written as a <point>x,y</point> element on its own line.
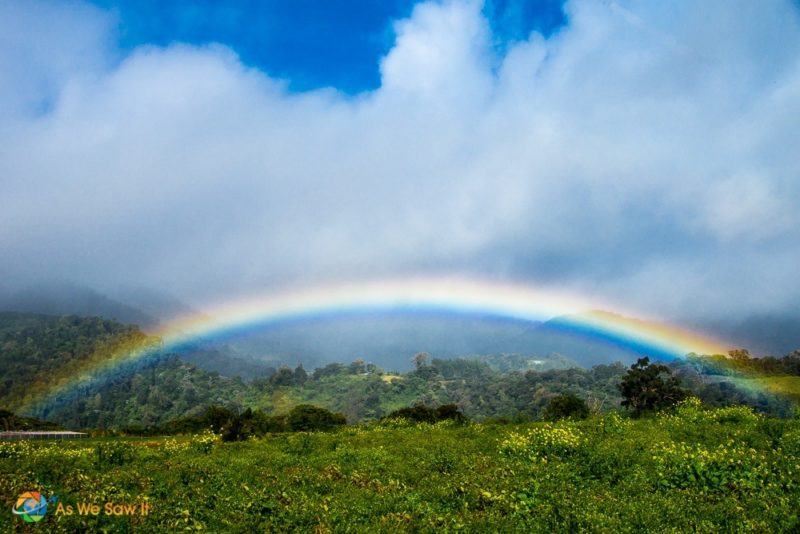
<point>36,351</point>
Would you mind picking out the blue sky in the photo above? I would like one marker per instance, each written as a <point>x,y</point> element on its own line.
<point>310,43</point>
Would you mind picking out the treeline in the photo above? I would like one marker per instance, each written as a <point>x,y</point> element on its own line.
<point>740,362</point>
<point>172,389</point>
<point>12,422</point>
<point>234,426</point>
<point>365,392</point>
<point>34,348</point>
<point>645,387</point>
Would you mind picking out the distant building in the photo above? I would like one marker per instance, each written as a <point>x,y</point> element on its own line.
<point>42,434</point>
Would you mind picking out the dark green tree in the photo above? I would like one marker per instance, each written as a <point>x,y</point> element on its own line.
<point>284,377</point>
<point>649,386</point>
<point>566,406</point>
<point>300,375</point>
<point>218,418</point>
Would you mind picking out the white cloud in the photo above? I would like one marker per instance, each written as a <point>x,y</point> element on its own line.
<point>646,153</point>
<point>42,44</point>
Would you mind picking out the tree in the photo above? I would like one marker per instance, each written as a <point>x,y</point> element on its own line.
<point>284,377</point>
<point>739,354</point>
<point>217,418</point>
<point>420,360</point>
<point>358,366</point>
<point>300,375</point>
<point>649,386</point>
<point>332,369</point>
<point>567,406</point>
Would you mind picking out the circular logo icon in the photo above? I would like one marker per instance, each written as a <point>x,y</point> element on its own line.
<point>31,506</point>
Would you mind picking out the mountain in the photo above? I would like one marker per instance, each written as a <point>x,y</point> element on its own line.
<point>763,334</point>
<point>60,298</point>
<point>38,350</point>
<point>390,340</point>
<point>161,306</point>
<point>226,362</point>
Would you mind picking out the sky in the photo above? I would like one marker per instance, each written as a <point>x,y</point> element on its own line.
<point>640,152</point>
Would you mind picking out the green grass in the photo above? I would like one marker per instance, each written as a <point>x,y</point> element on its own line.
<point>783,385</point>
<point>705,470</point>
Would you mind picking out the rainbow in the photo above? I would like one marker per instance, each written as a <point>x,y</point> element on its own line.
<point>413,295</point>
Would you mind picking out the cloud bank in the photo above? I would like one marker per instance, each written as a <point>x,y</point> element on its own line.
<point>647,153</point>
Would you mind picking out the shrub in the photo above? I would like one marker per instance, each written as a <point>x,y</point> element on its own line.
<point>418,413</point>
<point>423,414</point>
<point>613,424</point>
<point>544,441</point>
<point>691,410</point>
<point>113,453</point>
<point>449,412</point>
<point>726,467</point>
<point>566,407</point>
<point>307,417</point>
<point>252,423</point>
<point>443,461</point>
<point>790,442</point>
<point>204,443</point>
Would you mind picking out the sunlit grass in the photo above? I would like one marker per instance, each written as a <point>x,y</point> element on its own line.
<point>694,469</point>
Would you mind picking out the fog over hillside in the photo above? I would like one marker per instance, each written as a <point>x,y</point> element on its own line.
<point>388,340</point>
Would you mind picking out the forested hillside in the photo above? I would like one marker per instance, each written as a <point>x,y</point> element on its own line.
<point>480,391</point>
<point>35,348</point>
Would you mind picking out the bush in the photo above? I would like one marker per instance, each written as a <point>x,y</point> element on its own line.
<point>566,407</point>
<point>728,467</point>
<point>612,424</point>
<point>307,417</point>
<point>252,423</point>
<point>214,418</point>
<point>113,453</point>
<point>204,443</point>
<point>443,461</point>
<point>543,441</point>
<point>449,412</point>
<point>423,414</point>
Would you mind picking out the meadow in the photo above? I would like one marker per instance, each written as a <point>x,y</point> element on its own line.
<point>691,468</point>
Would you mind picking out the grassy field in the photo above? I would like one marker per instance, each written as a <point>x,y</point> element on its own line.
<point>695,469</point>
<point>783,385</point>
